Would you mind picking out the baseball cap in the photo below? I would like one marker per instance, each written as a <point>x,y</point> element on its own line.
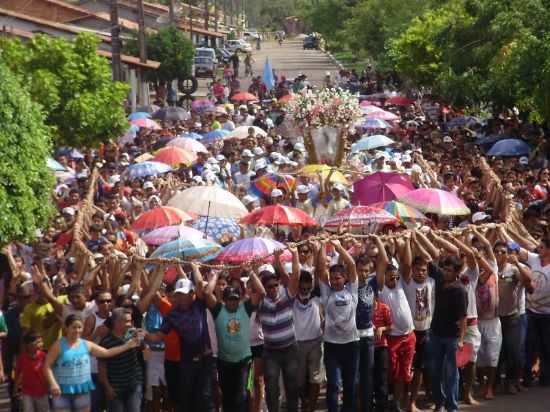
<point>258,151</point>
<point>149,185</point>
<point>212,161</point>
<point>249,199</point>
<point>260,164</point>
<point>447,139</point>
<point>276,193</point>
<point>524,160</point>
<point>184,286</point>
<point>220,157</point>
<point>302,189</point>
<point>114,179</point>
<point>338,186</point>
<point>406,158</point>
<point>68,211</point>
<point>479,217</point>
<point>299,147</point>
<point>247,153</point>
<point>243,106</point>
<point>231,292</point>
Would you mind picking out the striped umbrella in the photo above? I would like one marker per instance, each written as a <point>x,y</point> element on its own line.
<point>359,216</point>
<point>189,249</point>
<point>252,248</point>
<point>279,215</point>
<point>404,213</point>
<point>263,185</point>
<point>166,234</point>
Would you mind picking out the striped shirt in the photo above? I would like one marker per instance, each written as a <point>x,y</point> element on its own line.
<point>123,371</point>
<point>277,321</point>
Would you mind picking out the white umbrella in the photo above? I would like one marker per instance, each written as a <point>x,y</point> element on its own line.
<point>188,144</point>
<point>209,201</point>
<point>241,132</point>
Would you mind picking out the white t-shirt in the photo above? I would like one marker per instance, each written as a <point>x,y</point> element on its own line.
<point>469,280</point>
<point>421,298</point>
<point>400,311</point>
<point>539,300</point>
<point>307,319</point>
<point>340,308</point>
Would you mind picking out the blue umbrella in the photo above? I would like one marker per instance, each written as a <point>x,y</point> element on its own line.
<point>375,124</point>
<point>148,168</point>
<point>509,147</point>
<point>139,115</point>
<point>55,165</point>
<point>371,142</point>
<point>216,227</point>
<point>268,78</point>
<point>192,249</point>
<point>193,135</point>
<point>489,139</point>
<point>215,134</point>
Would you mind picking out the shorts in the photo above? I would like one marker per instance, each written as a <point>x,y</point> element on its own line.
<point>35,404</point>
<point>401,350</point>
<point>491,341</point>
<point>72,402</point>
<point>422,347</point>
<point>154,373</point>
<point>474,338</point>
<point>172,375</point>
<point>310,354</point>
<point>257,351</point>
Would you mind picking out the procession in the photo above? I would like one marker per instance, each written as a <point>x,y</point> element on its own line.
<point>292,240</point>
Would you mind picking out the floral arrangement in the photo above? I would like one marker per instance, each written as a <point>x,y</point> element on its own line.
<point>327,107</point>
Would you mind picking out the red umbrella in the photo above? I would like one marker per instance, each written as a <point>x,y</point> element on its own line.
<point>380,187</point>
<point>399,101</point>
<point>174,156</point>
<point>160,217</point>
<point>279,215</point>
<point>244,97</point>
<point>359,216</point>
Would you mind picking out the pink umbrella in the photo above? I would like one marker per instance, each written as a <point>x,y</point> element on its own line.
<point>251,248</point>
<point>185,143</point>
<point>370,108</point>
<point>439,202</point>
<point>359,216</point>
<point>380,187</point>
<point>382,114</point>
<point>146,124</point>
<point>168,233</point>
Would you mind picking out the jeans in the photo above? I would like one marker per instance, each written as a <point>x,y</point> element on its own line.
<point>343,358</point>
<point>279,361</point>
<point>510,354</point>
<point>381,378</point>
<point>195,385</point>
<point>233,378</point>
<point>522,339</point>
<point>538,342</point>
<point>98,396</point>
<point>445,372</point>
<point>366,372</point>
<point>131,402</point>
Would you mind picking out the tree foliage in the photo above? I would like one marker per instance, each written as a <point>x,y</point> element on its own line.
<point>73,86</point>
<point>25,181</point>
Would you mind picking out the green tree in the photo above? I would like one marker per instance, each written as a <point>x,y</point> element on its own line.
<point>25,181</point>
<point>73,85</point>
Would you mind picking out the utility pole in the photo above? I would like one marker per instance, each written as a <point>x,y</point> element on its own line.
<point>143,92</point>
<point>206,15</point>
<point>115,42</point>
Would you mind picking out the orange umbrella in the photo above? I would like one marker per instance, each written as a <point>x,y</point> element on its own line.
<point>279,215</point>
<point>286,98</point>
<point>174,156</point>
<point>160,217</point>
<point>244,97</point>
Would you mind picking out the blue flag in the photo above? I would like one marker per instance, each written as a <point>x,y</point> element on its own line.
<point>268,78</point>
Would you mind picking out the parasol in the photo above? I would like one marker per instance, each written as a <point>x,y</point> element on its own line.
<point>189,249</point>
<point>252,248</point>
<point>435,201</point>
<point>209,201</point>
<point>380,187</point>
<point>279,215</point>
<point>159,217</point>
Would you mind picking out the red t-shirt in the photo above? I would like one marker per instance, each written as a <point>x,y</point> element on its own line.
<point>31,370</point>
<point>172,351</point>
<point>382,318</point>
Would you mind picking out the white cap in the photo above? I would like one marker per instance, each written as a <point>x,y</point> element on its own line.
<point>260,164</point>
<point>275,155</point>
<point>447,139</point>
<point>68,211</point>
<point>524,160</point>
<point>302,189</point>
<point>416,168</point>
<point>184,286</point>
<point>247,153</point>
<point>258,151</point>
<point>406,158</point>
<point>243,106</point>
<point>220,157</point>
<point>267,267</point>
<point>148,185</point>
<point>212,161</point>
<point>197,179</point>
<point>379,155</point>
<point>479,216</point>
<point>114,179</point>
<point>249,199</point>
<point>123,290</point>
<point>276,193</point>
<point>299,147</point>
<point>339,187</point>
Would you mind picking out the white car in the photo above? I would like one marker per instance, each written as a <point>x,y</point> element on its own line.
<point>251,35</point>
<point>238,45</point>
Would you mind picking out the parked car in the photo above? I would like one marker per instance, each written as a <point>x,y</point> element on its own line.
<point>223,55</point>
<point>238,46</point>
<point>251,35</point>
<point>205,67</point>
<point>311,42</point>
<point>206,52</point>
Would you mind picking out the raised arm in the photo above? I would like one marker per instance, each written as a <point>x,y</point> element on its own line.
<point>40,280</point>
<point>321,270</point>
<point>209,295</point>
<point>101,352</point>
<point>144,302</point>
<point>485,242</point>
<point>257,288</point>
<point>347,259</point>
<point>382,261</point>
<point>294,279</point>
<point>427,245</point>
<point>197,278</point>
<point>51,357</point>
<point>445,244</point>
<point>467,251</point>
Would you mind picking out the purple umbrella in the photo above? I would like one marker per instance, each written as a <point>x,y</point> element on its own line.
<point>380,187</point>
<point>201,104</point>
<point>251,248</point>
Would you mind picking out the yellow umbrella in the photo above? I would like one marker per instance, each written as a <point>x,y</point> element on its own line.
<point>316,169</point>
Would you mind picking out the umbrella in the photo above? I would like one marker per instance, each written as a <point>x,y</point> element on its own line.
<point>129,136</point>
<point>202,104</point>
<point>209,201</point>
<point>251,248</point>
<point>217,227</point>
<point>144,157</point>
<point>375,124</point>
<point>313,170</point>
<point>509,147</point>
<point>152,108</point>
<point>382,115</point>
<point>263,185</point>
<point>168,233</point>
<point>279,215</point>
<point>146,124</point>
<point>189,249</point>
<point>188,144</point>
<point>369,105</point>
<point>380,187</point>
<point>268,77</point>
<point>435,201</point>
<point>159,217</point>
<point>403,212</point>
<point>215,135</point>
<point>399,101</point>
<point>172,114</point>
<point>286,98</point>
<point>241,132</point>
<point>139,115</point>
<point>147,168</point>
<point>174,156</point>
<point>193,135</point>
<point>55,165</point>
<point>244,97</point>
<point>489,139</point>
<point>371,142</point>
<point>360,216</point>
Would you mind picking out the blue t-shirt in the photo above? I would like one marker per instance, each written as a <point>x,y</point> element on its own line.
<point>365,305</point>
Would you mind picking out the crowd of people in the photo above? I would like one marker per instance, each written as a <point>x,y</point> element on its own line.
<point>379,321</point>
